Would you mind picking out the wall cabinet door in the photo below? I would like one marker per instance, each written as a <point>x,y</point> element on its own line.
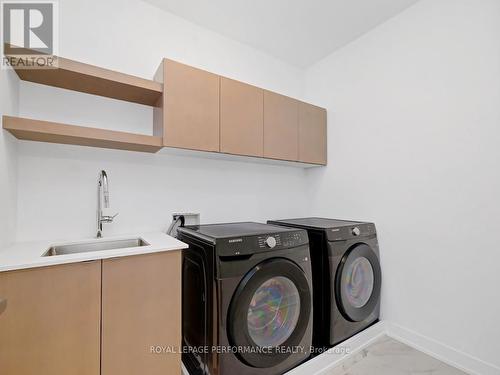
<point>281,127</point>
<point>141,308</point>
<point>242,118</point>
<point>190,107</point>
<point>312,134</point>
<point>51,323</point>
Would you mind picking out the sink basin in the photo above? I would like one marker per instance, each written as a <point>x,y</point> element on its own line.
<point>95,246</point>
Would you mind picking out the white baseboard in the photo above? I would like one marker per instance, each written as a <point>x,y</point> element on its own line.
<point>325,361</point>
<point>441,351</point>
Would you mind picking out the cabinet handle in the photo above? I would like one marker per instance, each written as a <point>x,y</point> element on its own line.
<point>3,305</point>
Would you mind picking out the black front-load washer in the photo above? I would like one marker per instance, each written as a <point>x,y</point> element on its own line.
<point>247,299</point>
<point>346,276</point>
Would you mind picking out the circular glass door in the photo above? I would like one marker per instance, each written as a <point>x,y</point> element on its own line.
<point>358,283</point>
<point>273,312</point>
<point>270,311</point>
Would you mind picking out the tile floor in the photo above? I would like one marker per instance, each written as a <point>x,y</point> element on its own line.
<point>390,357</point>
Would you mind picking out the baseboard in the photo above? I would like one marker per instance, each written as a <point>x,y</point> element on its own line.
<point>325,361</point>
<point>440,351</point>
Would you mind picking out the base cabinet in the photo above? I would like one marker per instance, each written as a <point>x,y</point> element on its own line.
<point>91,318</point>
<point>141,310</point>
<point>51,320</point>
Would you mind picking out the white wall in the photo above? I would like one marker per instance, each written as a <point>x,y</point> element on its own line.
<point>9,102</point>
<point>57,184</point>
<point>414,135</point>
<point>133,36</point>
<point>414,130</point>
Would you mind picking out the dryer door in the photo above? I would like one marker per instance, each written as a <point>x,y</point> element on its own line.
<point>269,313</point>
<point>357,283</point>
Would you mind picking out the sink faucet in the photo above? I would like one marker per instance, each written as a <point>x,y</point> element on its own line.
<point>102,196</point>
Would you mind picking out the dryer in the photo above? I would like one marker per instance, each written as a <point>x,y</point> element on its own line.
<point>346,276</point>
<point>247,299</point>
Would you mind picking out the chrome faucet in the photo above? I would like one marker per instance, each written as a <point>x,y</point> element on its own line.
<point>102,197</point>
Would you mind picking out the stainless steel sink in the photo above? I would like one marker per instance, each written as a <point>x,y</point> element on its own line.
<point>95,246</point>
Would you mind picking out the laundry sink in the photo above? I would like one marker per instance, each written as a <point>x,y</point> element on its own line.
<point>99,245</point>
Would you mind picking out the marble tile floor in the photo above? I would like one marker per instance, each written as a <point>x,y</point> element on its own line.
<point>387,356</point>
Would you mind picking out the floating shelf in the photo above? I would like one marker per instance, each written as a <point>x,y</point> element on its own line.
<point>53,132</point>
<point>77,76</point>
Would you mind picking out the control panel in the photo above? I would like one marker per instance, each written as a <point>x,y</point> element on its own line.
<point>256,244</point>
<point>351,231</point>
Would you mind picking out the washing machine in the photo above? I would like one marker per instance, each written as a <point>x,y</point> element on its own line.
<point>247,299</point>
<point>346,276</point>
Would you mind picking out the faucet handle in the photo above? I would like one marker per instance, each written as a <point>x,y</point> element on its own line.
<point>109,219</point>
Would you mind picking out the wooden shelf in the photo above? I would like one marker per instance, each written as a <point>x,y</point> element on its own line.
<point>52,132</point>
<point>77,76</point>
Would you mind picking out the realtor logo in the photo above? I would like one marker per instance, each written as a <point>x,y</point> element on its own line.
<point>29,34</point>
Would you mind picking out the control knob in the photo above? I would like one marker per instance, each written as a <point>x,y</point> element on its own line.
<point>356,231</point>
<point>271,242</point>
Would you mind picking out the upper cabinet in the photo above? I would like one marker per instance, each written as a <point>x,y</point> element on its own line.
<point>312,134</point>
<point>192,109</point>
<point>206,112</point>
<point>281,127</point>
<point>241,118</point>
<point>190,114</point>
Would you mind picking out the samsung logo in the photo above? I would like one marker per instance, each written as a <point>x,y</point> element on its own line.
<point>236,240</point>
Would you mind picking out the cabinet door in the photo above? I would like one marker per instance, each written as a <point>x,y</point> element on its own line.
<point>242,118</point>
<point>281,127</point>
<point>51,323</point>
<point>312,134</point>
<point>141,308</point>
<point>190,107</point>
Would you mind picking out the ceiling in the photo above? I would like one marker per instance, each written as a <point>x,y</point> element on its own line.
<point>299,32</point>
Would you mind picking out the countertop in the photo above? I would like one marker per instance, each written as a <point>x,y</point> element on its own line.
<point>23,255</point>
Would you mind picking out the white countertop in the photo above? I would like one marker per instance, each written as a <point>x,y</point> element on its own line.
<point>29,254</point>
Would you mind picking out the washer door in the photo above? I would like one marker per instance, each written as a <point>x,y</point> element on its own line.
<point>357,284</point>
<point>269,313</point>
